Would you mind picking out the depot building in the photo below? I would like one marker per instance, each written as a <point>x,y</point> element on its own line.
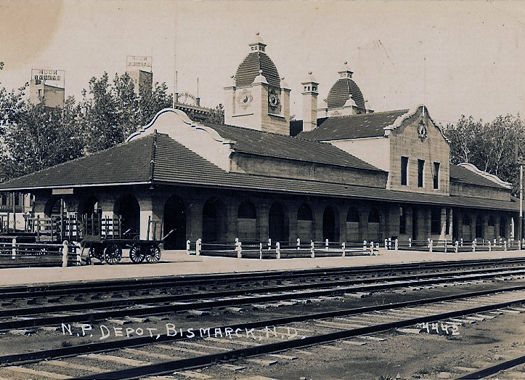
<point>343,173</point>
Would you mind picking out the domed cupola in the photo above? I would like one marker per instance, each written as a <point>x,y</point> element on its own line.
<point>255,63</point>
<point>257,97</point>
<point>345,97</point>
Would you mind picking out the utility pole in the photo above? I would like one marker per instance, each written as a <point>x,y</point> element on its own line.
<point>520,229</point>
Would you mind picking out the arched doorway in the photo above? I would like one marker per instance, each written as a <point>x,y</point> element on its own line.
<point>89,206</point>
<point>247,222</point>
<point>212,221</point>
<point>55,207</point>
<point>466,227</point>
<point>277,228</point>
<point>503,227</point>
<point>329,225</point>
<point>305,223</point>
<point>128,209</point>
<point>175,219</point>
<point>479,228</point>
<point>352,225</point>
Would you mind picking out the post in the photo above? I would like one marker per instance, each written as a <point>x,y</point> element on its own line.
<point>298,243</point>
<point>490,247</point>
<point>78,252</point>
<point>445,245</point>
<point>269,244</point>
<point>389,243</point>
<point>198,247</point>
<point>65,251</point>
<point>386,243</point>
<point>343,247</point>
<point>260,251</point>
<point>431,246</point>
<point>13,249</point>
<point>364,245</point>
<point>278,250</point>
<point>409,242</point>
<point>149,223</point>
<point>396,244</point>
<point>238,248</point>
<point>312,249</point>
<point>456,247</point>
<point>505,245</point>
<point>474,245</point>
<point>188,243</point>
<point>461,242</point>
<point>326,245</point>
<point>371,247</point>
<point>520,229</point>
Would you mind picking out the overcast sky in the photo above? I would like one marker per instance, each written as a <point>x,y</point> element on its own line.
<point>455,57</point>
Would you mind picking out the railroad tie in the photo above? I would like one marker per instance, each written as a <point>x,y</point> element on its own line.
<point>38,373</point>
<point>152,355</point>
<point>264,362</point>
<point>193,375</point>
<point>80,367</point>
<point>115,359</point>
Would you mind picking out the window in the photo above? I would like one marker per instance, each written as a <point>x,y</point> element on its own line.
<point>436,175</point>
<point>420,172</point>
<point>402,221</point>
<point>435,221</point>
<point>404,170</point>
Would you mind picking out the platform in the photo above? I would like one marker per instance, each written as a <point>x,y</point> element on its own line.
<point>179,263</point>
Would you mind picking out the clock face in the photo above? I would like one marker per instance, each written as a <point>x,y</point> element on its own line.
<point>245,98</point>
<point>273,100</point>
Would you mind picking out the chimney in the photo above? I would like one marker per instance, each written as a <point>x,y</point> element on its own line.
<point>310,94</point>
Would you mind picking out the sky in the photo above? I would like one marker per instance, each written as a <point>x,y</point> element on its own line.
<point>456,57</point>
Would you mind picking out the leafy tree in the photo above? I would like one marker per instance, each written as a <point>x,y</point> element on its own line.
<point>492,147</point>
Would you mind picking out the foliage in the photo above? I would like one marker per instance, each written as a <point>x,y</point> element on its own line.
<point>494,147</point>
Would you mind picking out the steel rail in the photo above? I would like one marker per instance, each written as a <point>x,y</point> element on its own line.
<point>489,371</point>
<point>445,276</point>
<point>29,357</point>
<point>202,303</point>
<point>141,284</point>
<point>174,365</point>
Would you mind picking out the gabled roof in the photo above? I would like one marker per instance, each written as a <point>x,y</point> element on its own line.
<point>464,175</point>
<point>267,144</point>
<point>354,126</point>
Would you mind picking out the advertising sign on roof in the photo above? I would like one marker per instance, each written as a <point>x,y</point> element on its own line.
<point>138,62</point>
<point>56,78</point>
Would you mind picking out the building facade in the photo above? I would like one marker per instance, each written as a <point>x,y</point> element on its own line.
<point>344,173</point>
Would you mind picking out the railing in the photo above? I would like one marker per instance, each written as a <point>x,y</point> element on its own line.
<point>449,246</point>
<point>278,250</point>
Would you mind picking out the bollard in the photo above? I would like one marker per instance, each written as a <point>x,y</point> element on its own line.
<point>364,245</point>
<point>260,251</point>
<point>326,245</point>
<point>474,246</point>
<point>396,245</point>
<point>490,247</point>
<point>198,247</point>
<point>505,245</point>
<point>389,243</point>
<point>269,244</point>
<point>430,246</point>
<point>343,246</point>
<point>461,242</point>
<point>456,247</point>
<point>428,242</point>
<point>188,246</point>
<point>409,242</point>
<point>238,248</point>
<point>65,251</point>
<point>13,249</point>
<point>298,243</point>
<point>371,247</point>
<point>278,250</point>
<point>445,245</point>
<point>312,249</point>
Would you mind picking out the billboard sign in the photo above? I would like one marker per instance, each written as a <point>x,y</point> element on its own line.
<point>138,62</point>
<point>56,78</point>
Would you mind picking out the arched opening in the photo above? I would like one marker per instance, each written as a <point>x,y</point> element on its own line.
<point>277,227</point>
<point>479,228</point>
<point>503,227</point>
<point>175,219</point>
<point>247,222</point>
<point>212,221</point>
<point>91,216</point>
<point>305,223</point>
<point>55,207</point>
<point>128,209</point>
<point>352,225</point>
<point>373,225</point>
<point>329,225</point>
<point>89,206</point>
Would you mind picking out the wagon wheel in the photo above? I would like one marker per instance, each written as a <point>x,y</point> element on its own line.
<point>112,254</point>
<point>153,255</point>
<point>136,254</point>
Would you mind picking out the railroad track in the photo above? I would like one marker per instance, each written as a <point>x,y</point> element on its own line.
<point>229,279</point>
<point>508,369</point>
<point>68,312</point>
<point>261,341</point>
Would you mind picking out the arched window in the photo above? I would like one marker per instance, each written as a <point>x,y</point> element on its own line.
<point>304,212</point>
<point>246,210</point>
<point>352,216</point>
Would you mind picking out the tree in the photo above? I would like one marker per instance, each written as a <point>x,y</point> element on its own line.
<point>491,147</point>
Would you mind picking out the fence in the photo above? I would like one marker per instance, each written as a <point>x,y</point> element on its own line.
<point>449,246</point>
<point>278,250</point>
<point>15,252</point>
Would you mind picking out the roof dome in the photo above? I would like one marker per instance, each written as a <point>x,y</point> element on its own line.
<point>341,91</point>
<point>257,63</point>
<point>344,89</point>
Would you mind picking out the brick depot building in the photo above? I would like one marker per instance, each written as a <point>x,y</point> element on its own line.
<point>344,173</point>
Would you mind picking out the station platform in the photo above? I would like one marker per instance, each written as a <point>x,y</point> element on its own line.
<point>178,263</point>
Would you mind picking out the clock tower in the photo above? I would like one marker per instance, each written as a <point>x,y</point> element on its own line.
<point>257,97</point>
